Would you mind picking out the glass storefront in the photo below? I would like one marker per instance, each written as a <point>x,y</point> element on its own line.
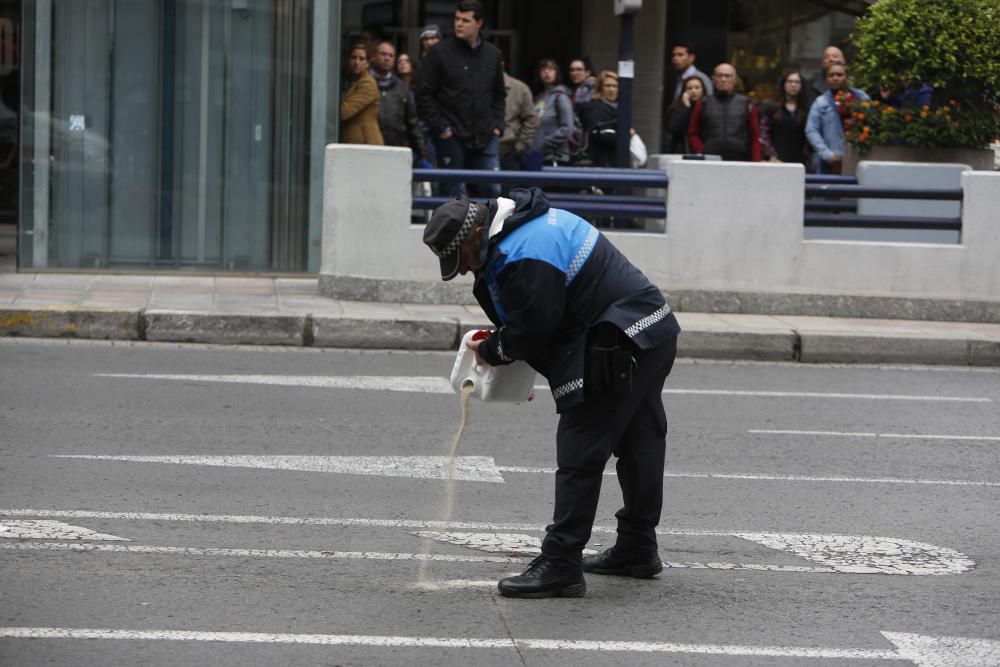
<point>168,134</point>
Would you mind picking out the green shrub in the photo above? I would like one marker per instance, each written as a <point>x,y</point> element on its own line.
<point>952,45</point>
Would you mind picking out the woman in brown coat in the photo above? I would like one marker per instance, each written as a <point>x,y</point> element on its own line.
<point>359,106</point>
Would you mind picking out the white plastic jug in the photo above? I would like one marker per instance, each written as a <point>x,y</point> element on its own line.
<point>508,384</point>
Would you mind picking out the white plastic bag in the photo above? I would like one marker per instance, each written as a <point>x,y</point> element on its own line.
<point>637,151</point>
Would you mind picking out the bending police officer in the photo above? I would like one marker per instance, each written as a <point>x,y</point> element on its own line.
<point>565,300</point>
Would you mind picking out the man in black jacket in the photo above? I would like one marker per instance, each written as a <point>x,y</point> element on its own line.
<point>460,95</point>
<point>397,113</point>
<point>566,301</point>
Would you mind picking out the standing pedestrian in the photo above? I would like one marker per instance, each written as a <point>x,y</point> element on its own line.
<point>675,134</point>
<point>554,107</point>
<point>429,36</point>
<point>783,125</point>
<point>460,95</point>
<point>599,118</point>
<point>405,71</point>
<point>582,80</point>
<point>397,113</point>
<point>566,301</point>
<point>825,125</point>
<point>520,124</point>
<point>359,102</point>
<point>832,55</point>
<point>725,122</point>
<point>682,57</point>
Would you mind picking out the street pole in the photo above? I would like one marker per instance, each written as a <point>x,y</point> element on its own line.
<point>626,10</point>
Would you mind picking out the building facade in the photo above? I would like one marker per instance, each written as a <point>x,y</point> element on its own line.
<point>188,135</point>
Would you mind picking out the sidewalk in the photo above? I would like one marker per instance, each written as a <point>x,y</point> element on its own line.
<point>290,311</point>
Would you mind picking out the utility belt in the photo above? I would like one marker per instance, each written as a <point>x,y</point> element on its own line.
<point>609,362</point>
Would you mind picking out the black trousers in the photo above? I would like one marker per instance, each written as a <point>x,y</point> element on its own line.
<point>633,427</point>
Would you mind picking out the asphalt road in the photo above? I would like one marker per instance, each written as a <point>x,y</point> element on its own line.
<point>780,479</point>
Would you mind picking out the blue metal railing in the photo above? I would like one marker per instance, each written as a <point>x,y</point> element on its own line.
<point>831,200</point>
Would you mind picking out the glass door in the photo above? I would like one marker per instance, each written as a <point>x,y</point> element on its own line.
<point>161,134</point>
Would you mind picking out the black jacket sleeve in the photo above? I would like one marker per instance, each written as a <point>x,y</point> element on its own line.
<point>428,82</point>
<point>534,296</point>
<point>416,137</point>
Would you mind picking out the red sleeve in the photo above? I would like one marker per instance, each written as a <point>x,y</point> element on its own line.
<point>753,123</point>
<point>694,129</point>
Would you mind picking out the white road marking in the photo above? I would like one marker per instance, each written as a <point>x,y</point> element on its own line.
<point>85,547</point>
<point>849,554</point>
<point>46,529</point>
<point>404,383</point>
<point>922,650</point>
<point>467,468</point>
<point>778,478</point>
<point>927,651</point>
<point>439,385</point>
<point>451,584</point>
<point>821,394</point>
<point>248,553</point>
<point>866,434</point>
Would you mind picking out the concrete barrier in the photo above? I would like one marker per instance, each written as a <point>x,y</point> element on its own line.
<point>732,228</point>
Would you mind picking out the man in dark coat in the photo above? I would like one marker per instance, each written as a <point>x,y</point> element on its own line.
<point>397,112</point>
<point>567,302</point>
<point>460,95</point>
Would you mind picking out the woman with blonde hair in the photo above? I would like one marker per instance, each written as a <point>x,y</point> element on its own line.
<point>599,117</point>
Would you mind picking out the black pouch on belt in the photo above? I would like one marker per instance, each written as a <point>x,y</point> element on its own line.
<point>610,361</point>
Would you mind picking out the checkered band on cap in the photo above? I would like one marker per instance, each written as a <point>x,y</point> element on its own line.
<point>463,232</point>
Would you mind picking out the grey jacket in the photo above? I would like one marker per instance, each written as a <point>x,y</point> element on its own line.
<point>555,108</point>
<point>397,116</point>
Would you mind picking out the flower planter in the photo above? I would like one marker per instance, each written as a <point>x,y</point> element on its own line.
<point>980,159</point>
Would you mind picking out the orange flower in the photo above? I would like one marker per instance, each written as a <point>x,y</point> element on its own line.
<point>907,117</point>
<point>865,105</point>
<point>952,103</point>
<point>925,107</point>
<point>866,129</point>
<point>923,114</point>
<point>876,103</point>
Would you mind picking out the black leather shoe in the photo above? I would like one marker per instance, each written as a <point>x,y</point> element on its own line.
<point>544,579</point>
<point>624,563</point>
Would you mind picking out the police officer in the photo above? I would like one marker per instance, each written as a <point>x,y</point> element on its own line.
<point>565,300</point>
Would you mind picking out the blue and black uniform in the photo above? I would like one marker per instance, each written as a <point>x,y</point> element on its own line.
<point>557,290</point>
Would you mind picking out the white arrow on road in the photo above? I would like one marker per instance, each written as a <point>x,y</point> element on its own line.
<point>848,554</point>
<point>922,650</point>
<point>467,468</point>
<point>45,529</point>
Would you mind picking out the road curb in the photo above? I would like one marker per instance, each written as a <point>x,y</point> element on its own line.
<point>750,345</point>
<point>100,324</point>
<point>226,329</point>
<point>444,333</point>
<point>862,349</point>
<point>399,334</point>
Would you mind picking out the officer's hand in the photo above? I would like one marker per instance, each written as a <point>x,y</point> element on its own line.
<point>447,134</point>
<point>474,346</point>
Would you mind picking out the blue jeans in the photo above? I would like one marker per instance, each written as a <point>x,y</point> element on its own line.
<point>453,154</point>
